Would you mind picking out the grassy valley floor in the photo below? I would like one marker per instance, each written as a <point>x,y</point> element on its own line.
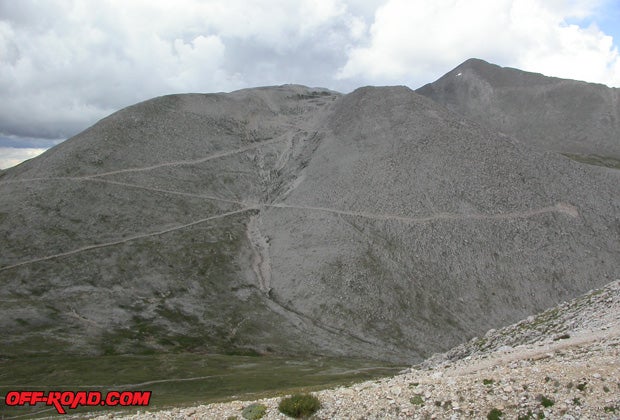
<point>177,379</point>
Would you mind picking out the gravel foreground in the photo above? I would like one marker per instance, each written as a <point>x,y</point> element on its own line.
<point>561,364</point>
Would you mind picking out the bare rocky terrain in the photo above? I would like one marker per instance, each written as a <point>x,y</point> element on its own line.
<point>547,113</point>
<point>294,220</point>
<point>562,364</point>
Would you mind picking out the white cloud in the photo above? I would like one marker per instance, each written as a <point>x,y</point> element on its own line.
<point>415,41</point>
<point>10,156</point>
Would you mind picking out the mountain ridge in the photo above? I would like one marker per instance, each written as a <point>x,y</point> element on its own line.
<point>545,112</point>
<point>293,220</point>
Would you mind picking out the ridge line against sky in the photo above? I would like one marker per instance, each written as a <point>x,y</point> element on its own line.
<point>64,64</point>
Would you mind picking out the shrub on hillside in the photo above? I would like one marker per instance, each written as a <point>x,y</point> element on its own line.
<point>299,405</point>
<point>495,414</point>
<point>254,411</point>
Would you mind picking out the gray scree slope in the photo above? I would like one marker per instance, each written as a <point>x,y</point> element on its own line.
<point>544,112</point>
<point>293,220</point>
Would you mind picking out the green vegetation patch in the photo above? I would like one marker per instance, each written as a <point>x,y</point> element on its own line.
<point>495,414</point>
<point>546,402</point>
<point>299,405</point>
<point>254,411</point>
<point>417,400</point>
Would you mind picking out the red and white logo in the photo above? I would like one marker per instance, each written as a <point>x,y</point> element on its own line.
<point>62,400</point>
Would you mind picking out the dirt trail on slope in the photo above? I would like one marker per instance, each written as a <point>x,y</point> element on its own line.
<point>161,190</point>
<point>122,241</point>
<point>264,264</point>
<point>263,267</point>
<point>163,164</point>
<point>558,208</point>
<point>192,161</point>
<point>261,263</point>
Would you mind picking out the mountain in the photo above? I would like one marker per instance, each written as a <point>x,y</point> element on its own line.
<point>293,220</point>
<point>547,113</point>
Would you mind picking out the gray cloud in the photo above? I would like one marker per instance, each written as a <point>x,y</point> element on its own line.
<point>65,64</point>
<point>28,142</point>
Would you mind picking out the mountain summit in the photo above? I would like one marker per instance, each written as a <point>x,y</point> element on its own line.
<point>547,113</point>
<point>293,220</point>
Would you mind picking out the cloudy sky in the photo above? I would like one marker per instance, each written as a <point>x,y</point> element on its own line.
<point>65,64</point>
